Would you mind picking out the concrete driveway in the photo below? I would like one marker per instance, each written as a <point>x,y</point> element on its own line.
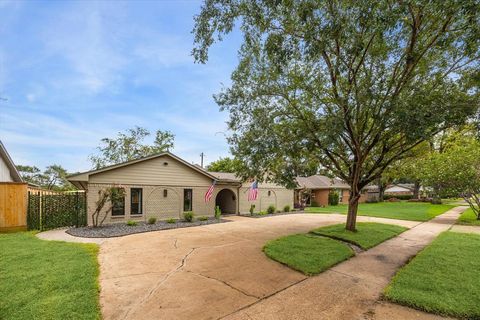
<point>205,272</point>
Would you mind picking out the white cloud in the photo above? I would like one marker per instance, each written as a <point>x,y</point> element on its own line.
<point>85,38</point>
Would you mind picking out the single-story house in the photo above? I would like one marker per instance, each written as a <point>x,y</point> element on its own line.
<point>314,191</point>
<point>164,186</point>
<point>400,189</point>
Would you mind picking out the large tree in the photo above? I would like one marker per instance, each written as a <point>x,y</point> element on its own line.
<point>223,165</point>
<point>54,177</point>
<point>354,85</point>
<point>129,146</point>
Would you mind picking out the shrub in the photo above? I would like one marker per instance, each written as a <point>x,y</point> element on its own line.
<point>203,218</point>
<point>333,198</point>
<point>188,216</point>
<point>314,203</point>
<point>436,201</point>
<point>152,220</point>
<point>393,200</point>
<point>131,223</point>
<point>399,197</point>
<point>286,208</point>
<point>271,209</point>
<point>262,213</point>
<point>252,209</point>
<point>171,220</point>
<point>218,212</point>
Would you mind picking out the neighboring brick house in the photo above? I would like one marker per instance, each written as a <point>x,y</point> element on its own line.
<point>164,186</point>
<point>400,189</point>
<point>314,190</point>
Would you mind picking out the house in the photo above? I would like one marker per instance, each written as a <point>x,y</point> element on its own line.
<point>314,190</point>
<point>164,186</point>
<point>8,170</point>
<point>400,189</point>
<point>13,195</point>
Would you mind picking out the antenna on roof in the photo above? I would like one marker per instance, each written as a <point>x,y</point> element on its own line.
<point>201,159</point>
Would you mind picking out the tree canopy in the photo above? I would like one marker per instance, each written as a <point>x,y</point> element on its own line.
<point>129,146</point>
<point>54,177</point>
<point>223,165</point>
<point>350,85</point>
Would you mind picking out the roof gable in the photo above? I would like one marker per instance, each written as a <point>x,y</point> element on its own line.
<point>9,162</point>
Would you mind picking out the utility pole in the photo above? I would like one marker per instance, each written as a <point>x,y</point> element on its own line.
<point>201,157</point>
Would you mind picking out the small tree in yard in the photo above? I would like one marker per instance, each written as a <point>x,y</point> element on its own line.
<point>456,171</point>
<point>350,85</point>
<point>109,195</point>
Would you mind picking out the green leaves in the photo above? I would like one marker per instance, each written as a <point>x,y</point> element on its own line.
<point>128,146</point>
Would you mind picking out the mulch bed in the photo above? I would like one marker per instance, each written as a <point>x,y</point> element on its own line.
<point>272,215</point>
<point>122,229</point>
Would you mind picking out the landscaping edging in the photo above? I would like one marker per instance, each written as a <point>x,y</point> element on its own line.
<point>122,229</point>
<point>272,215</point>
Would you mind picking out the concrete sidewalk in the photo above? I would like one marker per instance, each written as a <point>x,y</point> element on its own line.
<point>352,289</point>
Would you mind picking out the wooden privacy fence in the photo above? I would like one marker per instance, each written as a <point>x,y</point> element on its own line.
<point>47,210</point>
<point>13,204</point>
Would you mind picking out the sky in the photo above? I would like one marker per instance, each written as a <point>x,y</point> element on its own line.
<point>72,73</point>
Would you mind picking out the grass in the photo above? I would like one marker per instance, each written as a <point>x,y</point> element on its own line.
<point>307,253</point>
<point>368,234</point>
<point>320,249</point>
<point>414,211</point>
<point>468,218</point>
<point>443,278</point>
<point>47,279</point>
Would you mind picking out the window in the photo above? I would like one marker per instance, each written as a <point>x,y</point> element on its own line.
<point>136,201</point>
<point>118,206</point>
<point>187,199</point>
<point>340,195</point>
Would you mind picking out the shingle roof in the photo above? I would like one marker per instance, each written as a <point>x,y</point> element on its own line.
<point>321,182</point>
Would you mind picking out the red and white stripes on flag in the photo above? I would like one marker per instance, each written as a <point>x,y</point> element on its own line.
<point>209,193</point>
<point>253,191</point>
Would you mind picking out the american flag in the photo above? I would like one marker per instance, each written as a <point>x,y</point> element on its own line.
<point>209,193</point>
<point>253,191</point>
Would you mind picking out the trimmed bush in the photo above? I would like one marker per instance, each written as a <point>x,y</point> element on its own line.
<point>188,216</point>
<point>286,208</point>
<point>314,203</point>
<point>131,223</point>
<point>271,209</point>
<point>203,218</point>
<point>333,198</point>
<point>252,209</point>
<point>152,220</point>
<point>399,197</point>
<point>218,212</point>
<point>171,220</point>
<point>436,201</point>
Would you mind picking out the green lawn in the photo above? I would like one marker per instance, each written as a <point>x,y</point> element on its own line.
<point>368,234</point>
<point>469,218</point>
<point>415,211</point>
<point>307,253</point>
<point>47,279</point>
<point>443,278</point>
<point>313,253</point>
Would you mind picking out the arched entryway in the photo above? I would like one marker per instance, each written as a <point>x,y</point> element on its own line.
<point>227,201</point>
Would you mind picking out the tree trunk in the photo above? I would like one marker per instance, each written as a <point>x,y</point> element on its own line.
<point>416,190</point>
<point>381,191</point>
<point>352,208</point>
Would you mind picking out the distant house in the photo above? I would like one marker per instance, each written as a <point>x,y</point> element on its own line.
<point>164,186</point>
<point>8,170</point>
<point>400,189</point>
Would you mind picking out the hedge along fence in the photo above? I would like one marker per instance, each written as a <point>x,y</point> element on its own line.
<point>46,210</point>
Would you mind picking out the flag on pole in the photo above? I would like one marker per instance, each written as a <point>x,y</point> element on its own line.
<point>253,191</point>
<point>209,193</point>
